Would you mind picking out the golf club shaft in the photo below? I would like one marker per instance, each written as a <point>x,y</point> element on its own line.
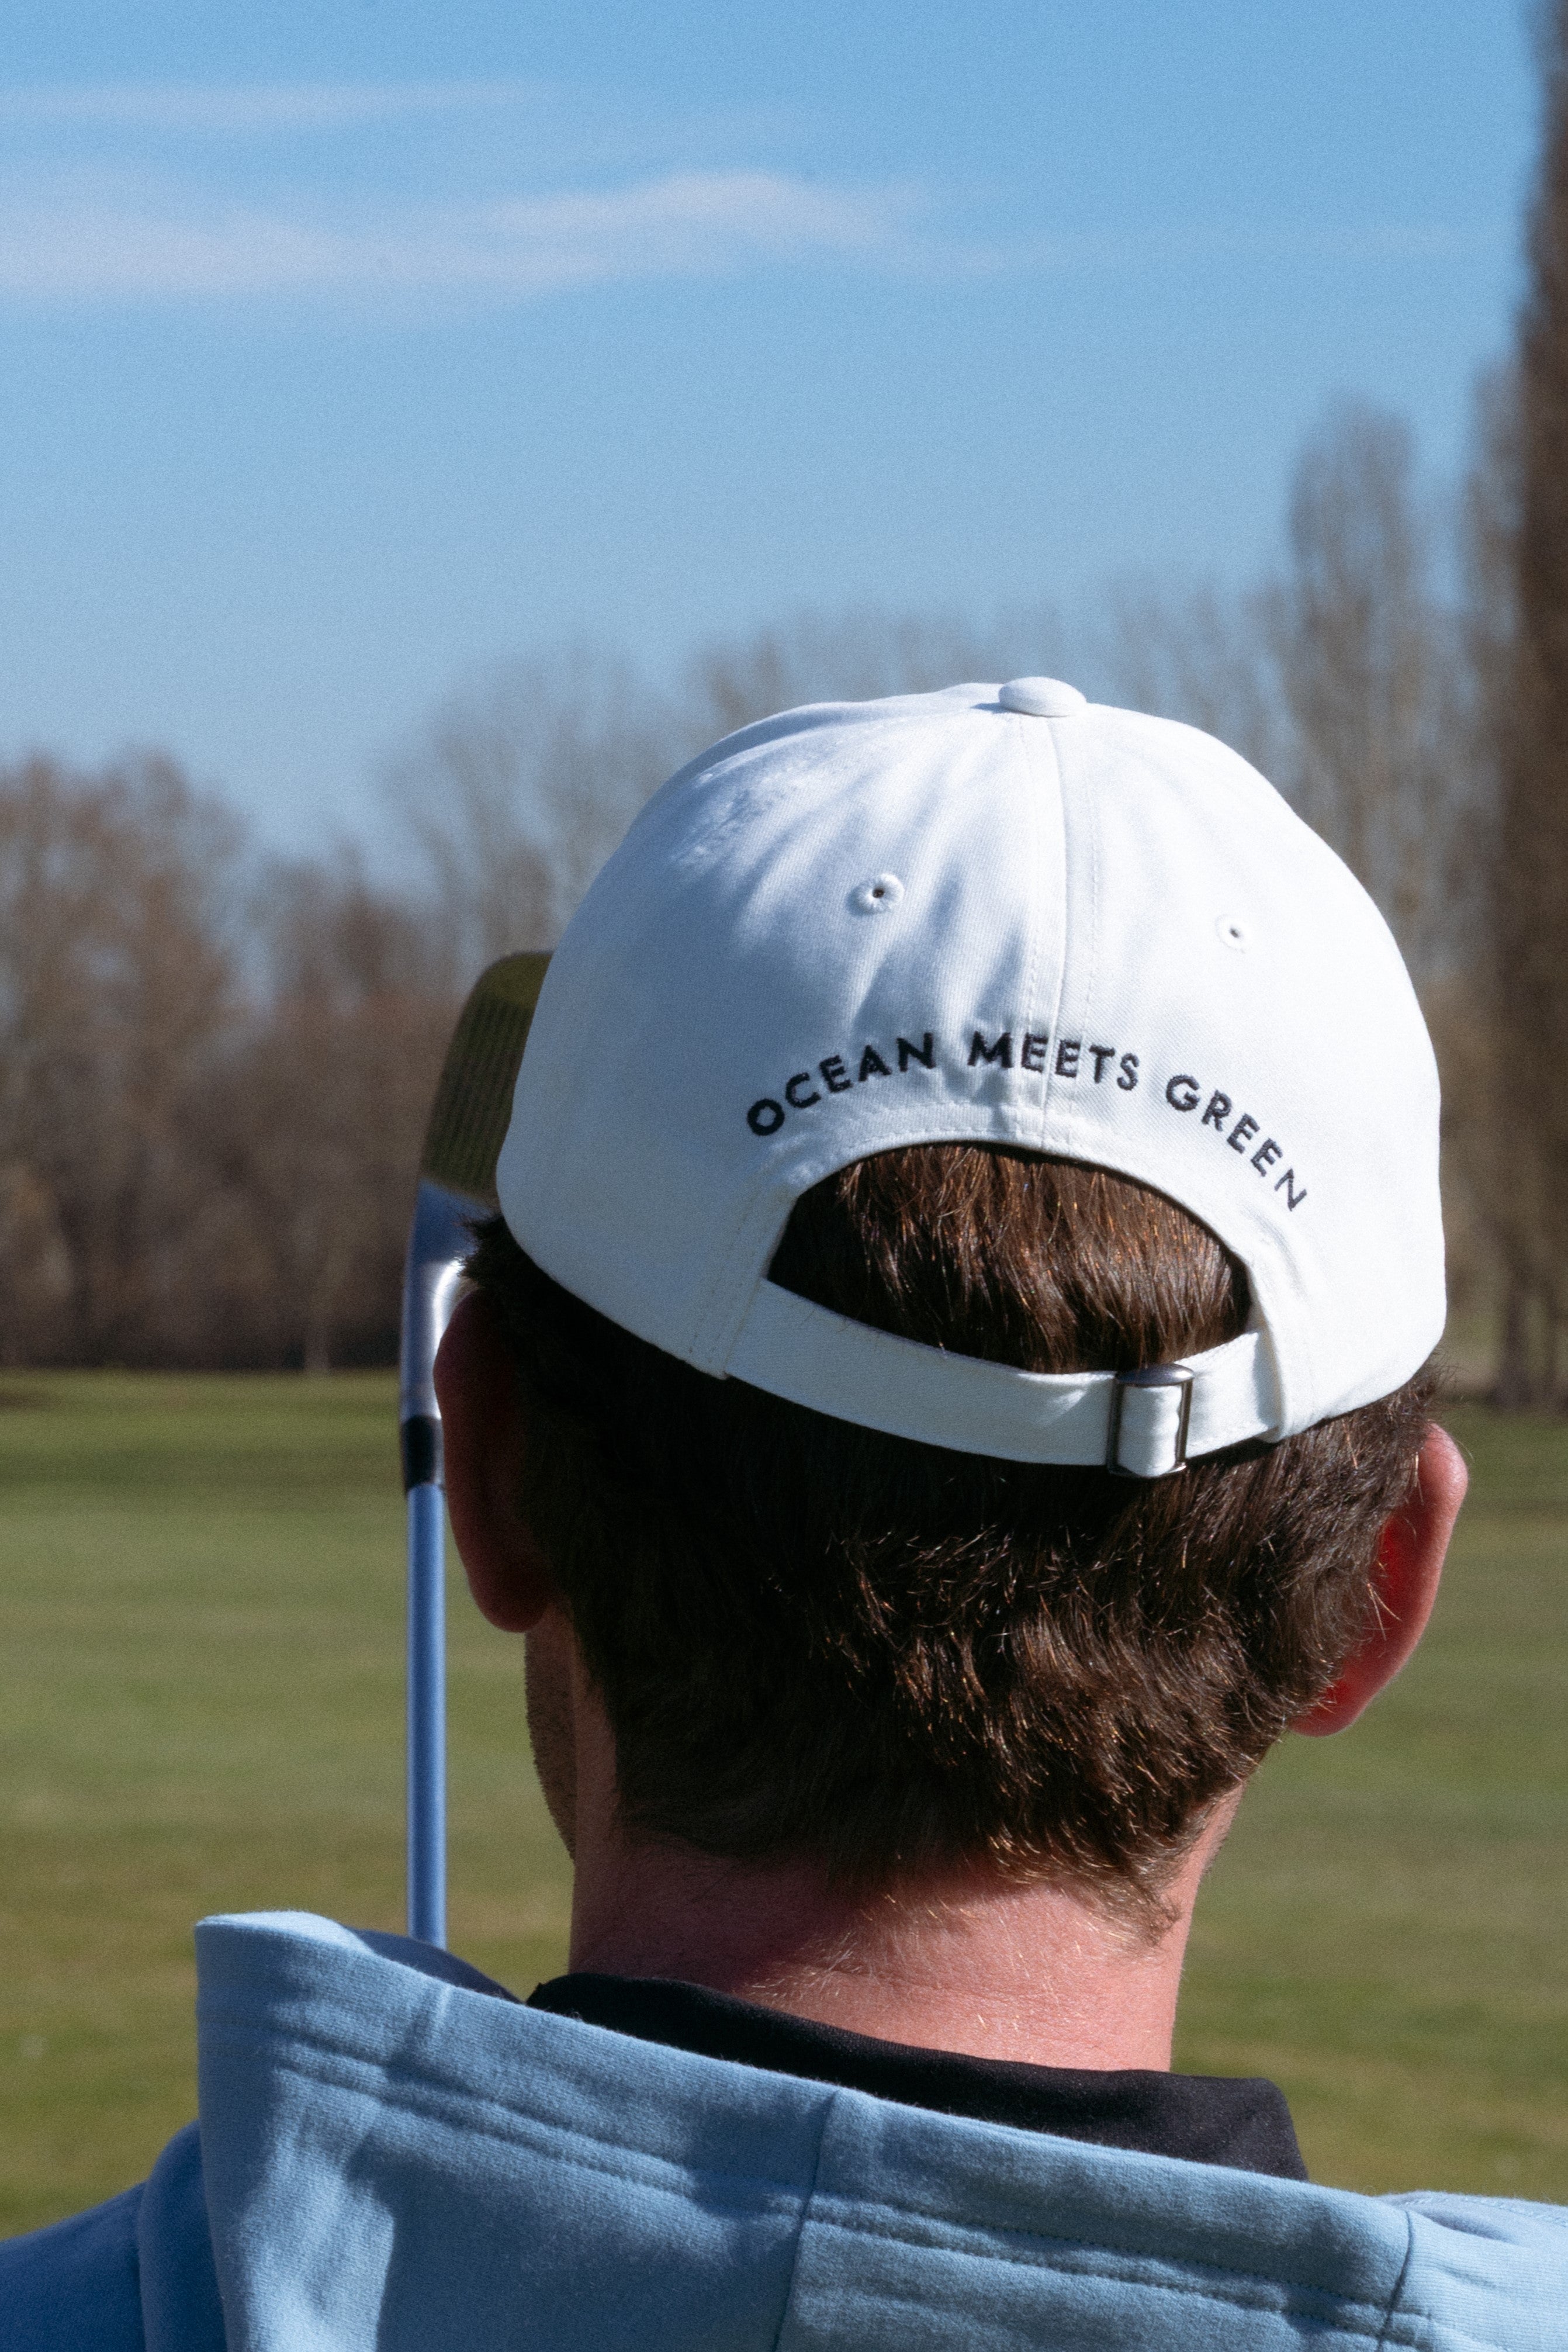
<point>427,1713</point>
<point>437,1244</point>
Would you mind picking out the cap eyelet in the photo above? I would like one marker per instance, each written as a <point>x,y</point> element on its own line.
<point>880,896</point>
<point>1234,933</point>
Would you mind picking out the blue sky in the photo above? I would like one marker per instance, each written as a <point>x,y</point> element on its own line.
<point>345,348</point>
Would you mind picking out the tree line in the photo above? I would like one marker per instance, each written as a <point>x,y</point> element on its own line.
<point>213,1080</point>
<point>214,1069</point>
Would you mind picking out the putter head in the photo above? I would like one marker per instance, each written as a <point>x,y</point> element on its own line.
<point>457,1184</point>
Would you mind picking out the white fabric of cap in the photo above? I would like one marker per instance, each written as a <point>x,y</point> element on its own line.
<point>989,915</point>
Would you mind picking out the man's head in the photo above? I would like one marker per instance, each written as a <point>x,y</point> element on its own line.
<point>815,1301</point>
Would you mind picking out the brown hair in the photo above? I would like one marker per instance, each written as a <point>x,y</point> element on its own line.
<point>813,1639</point>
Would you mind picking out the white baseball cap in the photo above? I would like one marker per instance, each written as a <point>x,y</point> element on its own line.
<point>1002,916</point>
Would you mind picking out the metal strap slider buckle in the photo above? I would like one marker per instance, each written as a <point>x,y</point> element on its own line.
<point>1150,1410</point>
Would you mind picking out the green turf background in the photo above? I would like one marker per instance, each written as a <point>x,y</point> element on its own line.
<point>200,1710</point>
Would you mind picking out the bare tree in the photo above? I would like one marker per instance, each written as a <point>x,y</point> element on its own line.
<point>1204,654</point>
<point>520,786</point>
<point>117,989</point>
<point>1370,668</point>
<point>1496,1183</point>
<point>1530,897</point>
<point>317,1122</point>
<point>212,1117</point>
<point>853,656</point>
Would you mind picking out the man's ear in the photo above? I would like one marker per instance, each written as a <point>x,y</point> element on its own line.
<point>484,1425</point>
<point>1410,1557</point>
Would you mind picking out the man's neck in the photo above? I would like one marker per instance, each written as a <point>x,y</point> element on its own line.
<point>1033,1974</point>
<point>1039,1974</point>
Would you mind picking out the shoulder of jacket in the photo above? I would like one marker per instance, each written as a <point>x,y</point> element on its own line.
<point>75,2284</point>
<point>133,2275</point>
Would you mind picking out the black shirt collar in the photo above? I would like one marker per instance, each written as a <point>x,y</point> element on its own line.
<point>1207,2118</point>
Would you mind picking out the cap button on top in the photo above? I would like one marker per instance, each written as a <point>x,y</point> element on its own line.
<point>1042,698</point>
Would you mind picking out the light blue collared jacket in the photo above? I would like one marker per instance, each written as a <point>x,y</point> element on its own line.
<point>391,2158</point>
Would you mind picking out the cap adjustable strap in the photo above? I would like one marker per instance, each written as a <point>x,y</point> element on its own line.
<point>1144,1425</point>
<point>1150,1419</point>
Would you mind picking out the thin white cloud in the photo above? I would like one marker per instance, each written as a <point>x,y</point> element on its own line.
<point>77,230</point>
<point>96,240</point>
<point>259,109</point>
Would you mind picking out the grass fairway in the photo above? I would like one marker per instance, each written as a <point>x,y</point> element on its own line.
<point>201,1710</point>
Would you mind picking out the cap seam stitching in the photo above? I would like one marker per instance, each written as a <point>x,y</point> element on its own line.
<point>1048,1092</point>
<point>1036,925</point>
<point>1096,847</point>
